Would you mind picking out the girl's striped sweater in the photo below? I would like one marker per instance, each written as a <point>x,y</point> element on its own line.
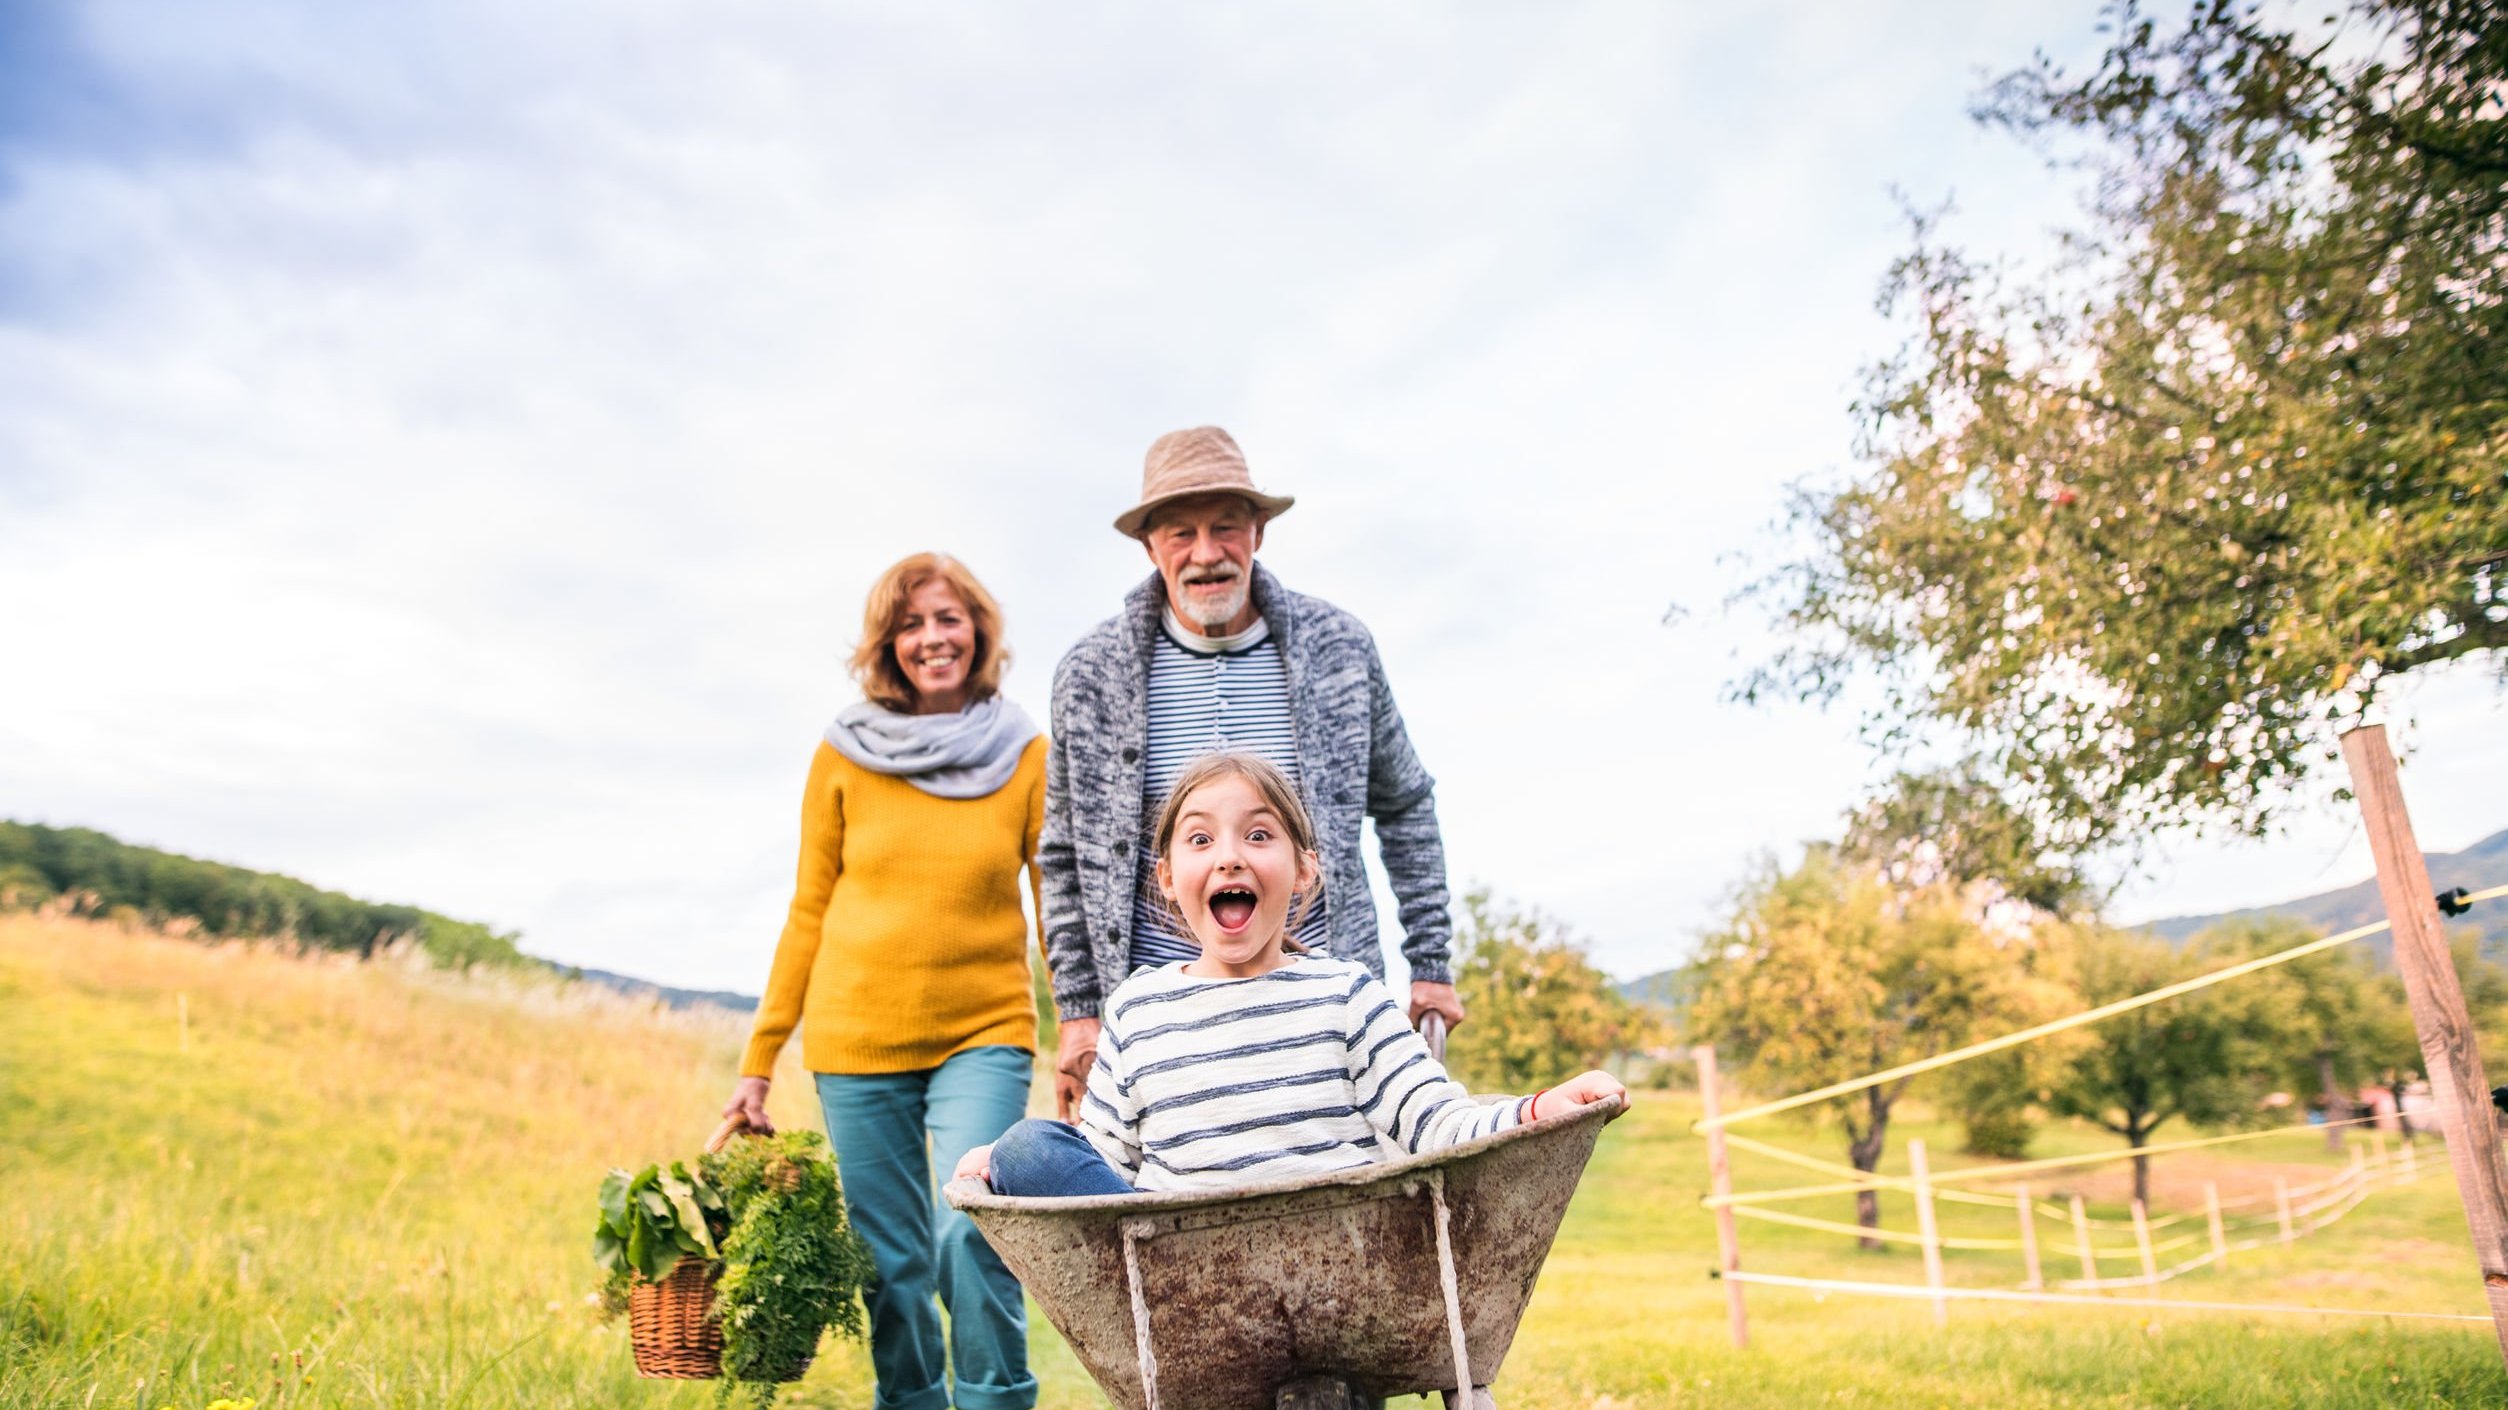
<point>1209,1083</point>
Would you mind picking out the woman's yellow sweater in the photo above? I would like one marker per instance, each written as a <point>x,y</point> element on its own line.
<point>905,943</point>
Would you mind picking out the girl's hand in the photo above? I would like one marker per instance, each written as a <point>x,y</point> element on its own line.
<point>976,1164</point>
<point>748,1103</point>
<point>1579,1091</point>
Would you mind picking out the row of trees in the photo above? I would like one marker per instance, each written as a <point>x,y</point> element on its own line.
<point>101,873</point>
<point>1852,963</point>
<point>1838,968</point>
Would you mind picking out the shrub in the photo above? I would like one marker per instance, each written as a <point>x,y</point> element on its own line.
<point>1539,1011</point>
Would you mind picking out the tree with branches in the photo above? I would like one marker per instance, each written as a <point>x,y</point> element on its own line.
<point>1543,1012</point>
<point>2338,1023</point>
<point>1830,972</point>
<point>2208,1057</point>
<point>2146,531</point>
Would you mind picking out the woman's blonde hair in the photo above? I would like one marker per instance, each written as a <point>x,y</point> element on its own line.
<point>1277,793</point>
<point>884,617</point>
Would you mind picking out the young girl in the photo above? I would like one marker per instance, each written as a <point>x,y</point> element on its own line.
<point>1256,1061</point>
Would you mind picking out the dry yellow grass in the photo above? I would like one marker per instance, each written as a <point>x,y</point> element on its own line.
<point>370,1186</point>
<point>232,1168</point>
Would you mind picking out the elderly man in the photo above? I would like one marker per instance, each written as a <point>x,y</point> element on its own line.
<point>1213,653</point>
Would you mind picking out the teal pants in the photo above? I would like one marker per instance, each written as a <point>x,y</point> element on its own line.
<point>880,1124</point>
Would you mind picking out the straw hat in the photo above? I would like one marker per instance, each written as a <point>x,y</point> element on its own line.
<point>1204,460</point>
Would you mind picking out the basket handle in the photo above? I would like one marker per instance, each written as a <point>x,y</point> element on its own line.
<point>732,1126</point>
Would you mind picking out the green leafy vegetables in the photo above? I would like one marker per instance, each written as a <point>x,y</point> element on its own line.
<point>651,1219</point>
<point>791,1264</point>
<point>771,1210</point>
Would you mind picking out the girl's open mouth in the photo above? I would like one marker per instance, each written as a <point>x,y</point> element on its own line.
<point>1232,909</point>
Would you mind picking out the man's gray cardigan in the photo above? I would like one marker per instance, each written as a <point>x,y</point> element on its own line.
<point>1354,759</point>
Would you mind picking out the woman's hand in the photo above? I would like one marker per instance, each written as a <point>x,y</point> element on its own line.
<point>748,1104</point>
<point>1580,1091</point>
<point>976,1164</point>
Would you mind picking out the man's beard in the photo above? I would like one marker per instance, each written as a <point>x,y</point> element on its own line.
<point>1210,614</point>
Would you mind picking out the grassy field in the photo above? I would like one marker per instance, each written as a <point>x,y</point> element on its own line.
<point>344,1185</point>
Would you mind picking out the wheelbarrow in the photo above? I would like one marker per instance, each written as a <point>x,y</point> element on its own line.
<point>1322,1291</point>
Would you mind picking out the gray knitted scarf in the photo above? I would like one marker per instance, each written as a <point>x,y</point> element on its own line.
<point>970,754</point>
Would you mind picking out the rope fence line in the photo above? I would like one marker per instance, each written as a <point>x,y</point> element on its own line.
<point>2060,1025</point>
<point>1864,1179</point>
<point>1904,1290</point>
<point>2347,1188</point>
<point>1832,1226</point>
<point>1872,1180</point>
<point>1858,1180</point>
<point>2345,1203</point>
<point>1973,1245</point>
<point>2331,1198</point>
<point>1993,1172</point>
<point>2292,1192</point>
<point>2440,1021</point>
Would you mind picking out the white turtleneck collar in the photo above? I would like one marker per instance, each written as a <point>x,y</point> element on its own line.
<point>1194,641</point>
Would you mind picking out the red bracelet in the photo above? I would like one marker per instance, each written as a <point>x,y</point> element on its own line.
<point>1533,1109</point>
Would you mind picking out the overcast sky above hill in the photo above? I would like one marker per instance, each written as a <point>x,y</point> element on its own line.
<point>442,452</point>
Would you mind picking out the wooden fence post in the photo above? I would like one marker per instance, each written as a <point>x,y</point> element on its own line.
<point>2212,1216</point>
<point>2411,1162</point>
<point>2029,1240</point>
<point>2281,1207</point>
<point>2142,1241</point>
<point>2081,1241</point>
<point>1923,1176</point>
<point>1720,1179</point>
<point>2383,1166</point>
<point>2457,1084</point>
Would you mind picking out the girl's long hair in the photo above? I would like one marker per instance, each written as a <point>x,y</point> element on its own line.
<point>1278,794</point>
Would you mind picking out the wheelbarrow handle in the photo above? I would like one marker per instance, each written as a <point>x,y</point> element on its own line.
<point>1432,1028</point>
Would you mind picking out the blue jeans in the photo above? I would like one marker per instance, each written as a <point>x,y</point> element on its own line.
<point>1047,1158</point>
<point>880,1124</point>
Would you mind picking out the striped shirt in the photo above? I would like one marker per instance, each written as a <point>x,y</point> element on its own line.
<point>1210,1083</point>
<point>1206,694</point>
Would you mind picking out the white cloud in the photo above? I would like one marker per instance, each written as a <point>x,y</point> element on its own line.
<point>444,448</point>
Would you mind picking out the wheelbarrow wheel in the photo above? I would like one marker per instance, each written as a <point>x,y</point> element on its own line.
<point>1334,1393</point>
<point>1323,1393</point>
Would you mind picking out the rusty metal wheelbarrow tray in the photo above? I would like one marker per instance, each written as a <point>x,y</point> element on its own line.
<point>1387,1276</point>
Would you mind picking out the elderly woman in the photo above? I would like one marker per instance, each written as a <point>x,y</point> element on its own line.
<point>904,961</point>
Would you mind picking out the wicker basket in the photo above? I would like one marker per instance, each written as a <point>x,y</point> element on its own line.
<point>670,1324</point>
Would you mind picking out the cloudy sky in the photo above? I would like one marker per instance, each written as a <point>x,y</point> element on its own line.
<point>443,446</point>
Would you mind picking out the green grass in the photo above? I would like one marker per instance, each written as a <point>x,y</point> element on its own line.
<point>362,1186</point>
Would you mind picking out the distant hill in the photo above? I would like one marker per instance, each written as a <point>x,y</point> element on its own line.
<point>2481,865</point>
<point>39,864</point>
<point>103,874</point>
<point>633,987</point>
<point>2485,863</point>
<point>1665,988</point>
